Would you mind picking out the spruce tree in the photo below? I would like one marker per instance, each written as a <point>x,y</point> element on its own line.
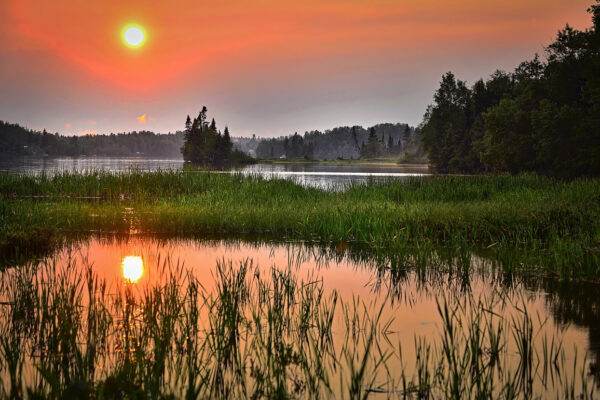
<point>228,145</point>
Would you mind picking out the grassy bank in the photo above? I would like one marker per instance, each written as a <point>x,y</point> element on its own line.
<point>554,225</point>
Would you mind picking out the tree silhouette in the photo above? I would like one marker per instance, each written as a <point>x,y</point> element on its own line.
<point>341,142</point>
<point>18,141</point>
<point>205,145</point>
<point>373,147</point>
<point>543,117</point>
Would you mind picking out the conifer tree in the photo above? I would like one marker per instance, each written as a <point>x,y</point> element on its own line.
<point>227,140</point>
<point>355,138</point>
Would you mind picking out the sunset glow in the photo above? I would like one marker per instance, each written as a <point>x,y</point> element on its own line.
<point>357,62</point>
<point>291,193</point>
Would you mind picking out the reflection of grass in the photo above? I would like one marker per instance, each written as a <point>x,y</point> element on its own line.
<point>555,224</point>
<point>259,334</point>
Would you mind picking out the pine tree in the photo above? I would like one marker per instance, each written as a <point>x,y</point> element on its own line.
<point>372,134</point>
<point>202,118</point>
<point>405,136</point>
<point>355,138</point>
<point>226,144</point>
<point>188,141</point>
<point>373,147</point>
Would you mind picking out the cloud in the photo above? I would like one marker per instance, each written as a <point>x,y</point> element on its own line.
<point>88,132</point>
<point>144,118</point>
<point>91,122</point>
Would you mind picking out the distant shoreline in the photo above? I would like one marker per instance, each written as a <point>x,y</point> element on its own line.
<point>383,162</point>
<point>380,162</point>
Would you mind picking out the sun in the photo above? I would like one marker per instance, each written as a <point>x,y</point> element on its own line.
<point>133,36</point>
<point>133,268</point>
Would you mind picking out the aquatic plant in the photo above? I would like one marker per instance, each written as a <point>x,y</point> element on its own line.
<point>261,333</point>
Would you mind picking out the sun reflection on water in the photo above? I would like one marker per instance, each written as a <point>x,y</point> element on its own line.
<point>133,268</point>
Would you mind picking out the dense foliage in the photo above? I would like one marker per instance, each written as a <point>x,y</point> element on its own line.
<point>205,145</point>
<point>16,140</point>
<point>543,117</point>
<point>382,140</point>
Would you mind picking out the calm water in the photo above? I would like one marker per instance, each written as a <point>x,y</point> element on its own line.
<point>326,176</point>
<point>50,165</point>
<point>567,313</point>
<point>309,174</point>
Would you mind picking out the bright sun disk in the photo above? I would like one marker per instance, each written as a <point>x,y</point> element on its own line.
<point>133,36</point>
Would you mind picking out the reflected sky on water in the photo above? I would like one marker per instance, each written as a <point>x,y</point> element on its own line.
<point>308,174</point>
<point>566,312</point>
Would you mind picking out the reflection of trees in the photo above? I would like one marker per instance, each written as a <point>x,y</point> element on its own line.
<point>426,269</point>
<point>572,303</point>
<point>577,303</point>
<point>437,270</point>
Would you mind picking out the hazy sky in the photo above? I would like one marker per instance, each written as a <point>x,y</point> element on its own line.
<point>268,67</point>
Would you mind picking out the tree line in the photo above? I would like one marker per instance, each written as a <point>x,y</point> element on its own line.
<point>544,117</point>
<point>16,140</point>
<point>203,143</point>
<point>382,140</point>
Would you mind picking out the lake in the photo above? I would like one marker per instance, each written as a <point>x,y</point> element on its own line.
<point>396,313</point>
<point>308,174</point>
<point>87,309</point>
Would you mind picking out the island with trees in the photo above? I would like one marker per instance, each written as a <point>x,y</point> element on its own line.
<point>205,145</point>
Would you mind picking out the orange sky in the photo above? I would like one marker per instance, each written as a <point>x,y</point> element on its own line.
<point>266,67</point>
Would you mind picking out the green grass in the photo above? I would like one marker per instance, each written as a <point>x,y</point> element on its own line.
<point>65,333</point>
<point>550,225</point>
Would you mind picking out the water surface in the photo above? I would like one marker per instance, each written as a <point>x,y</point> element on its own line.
<point>308,174</point>
<point>409,300</point>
